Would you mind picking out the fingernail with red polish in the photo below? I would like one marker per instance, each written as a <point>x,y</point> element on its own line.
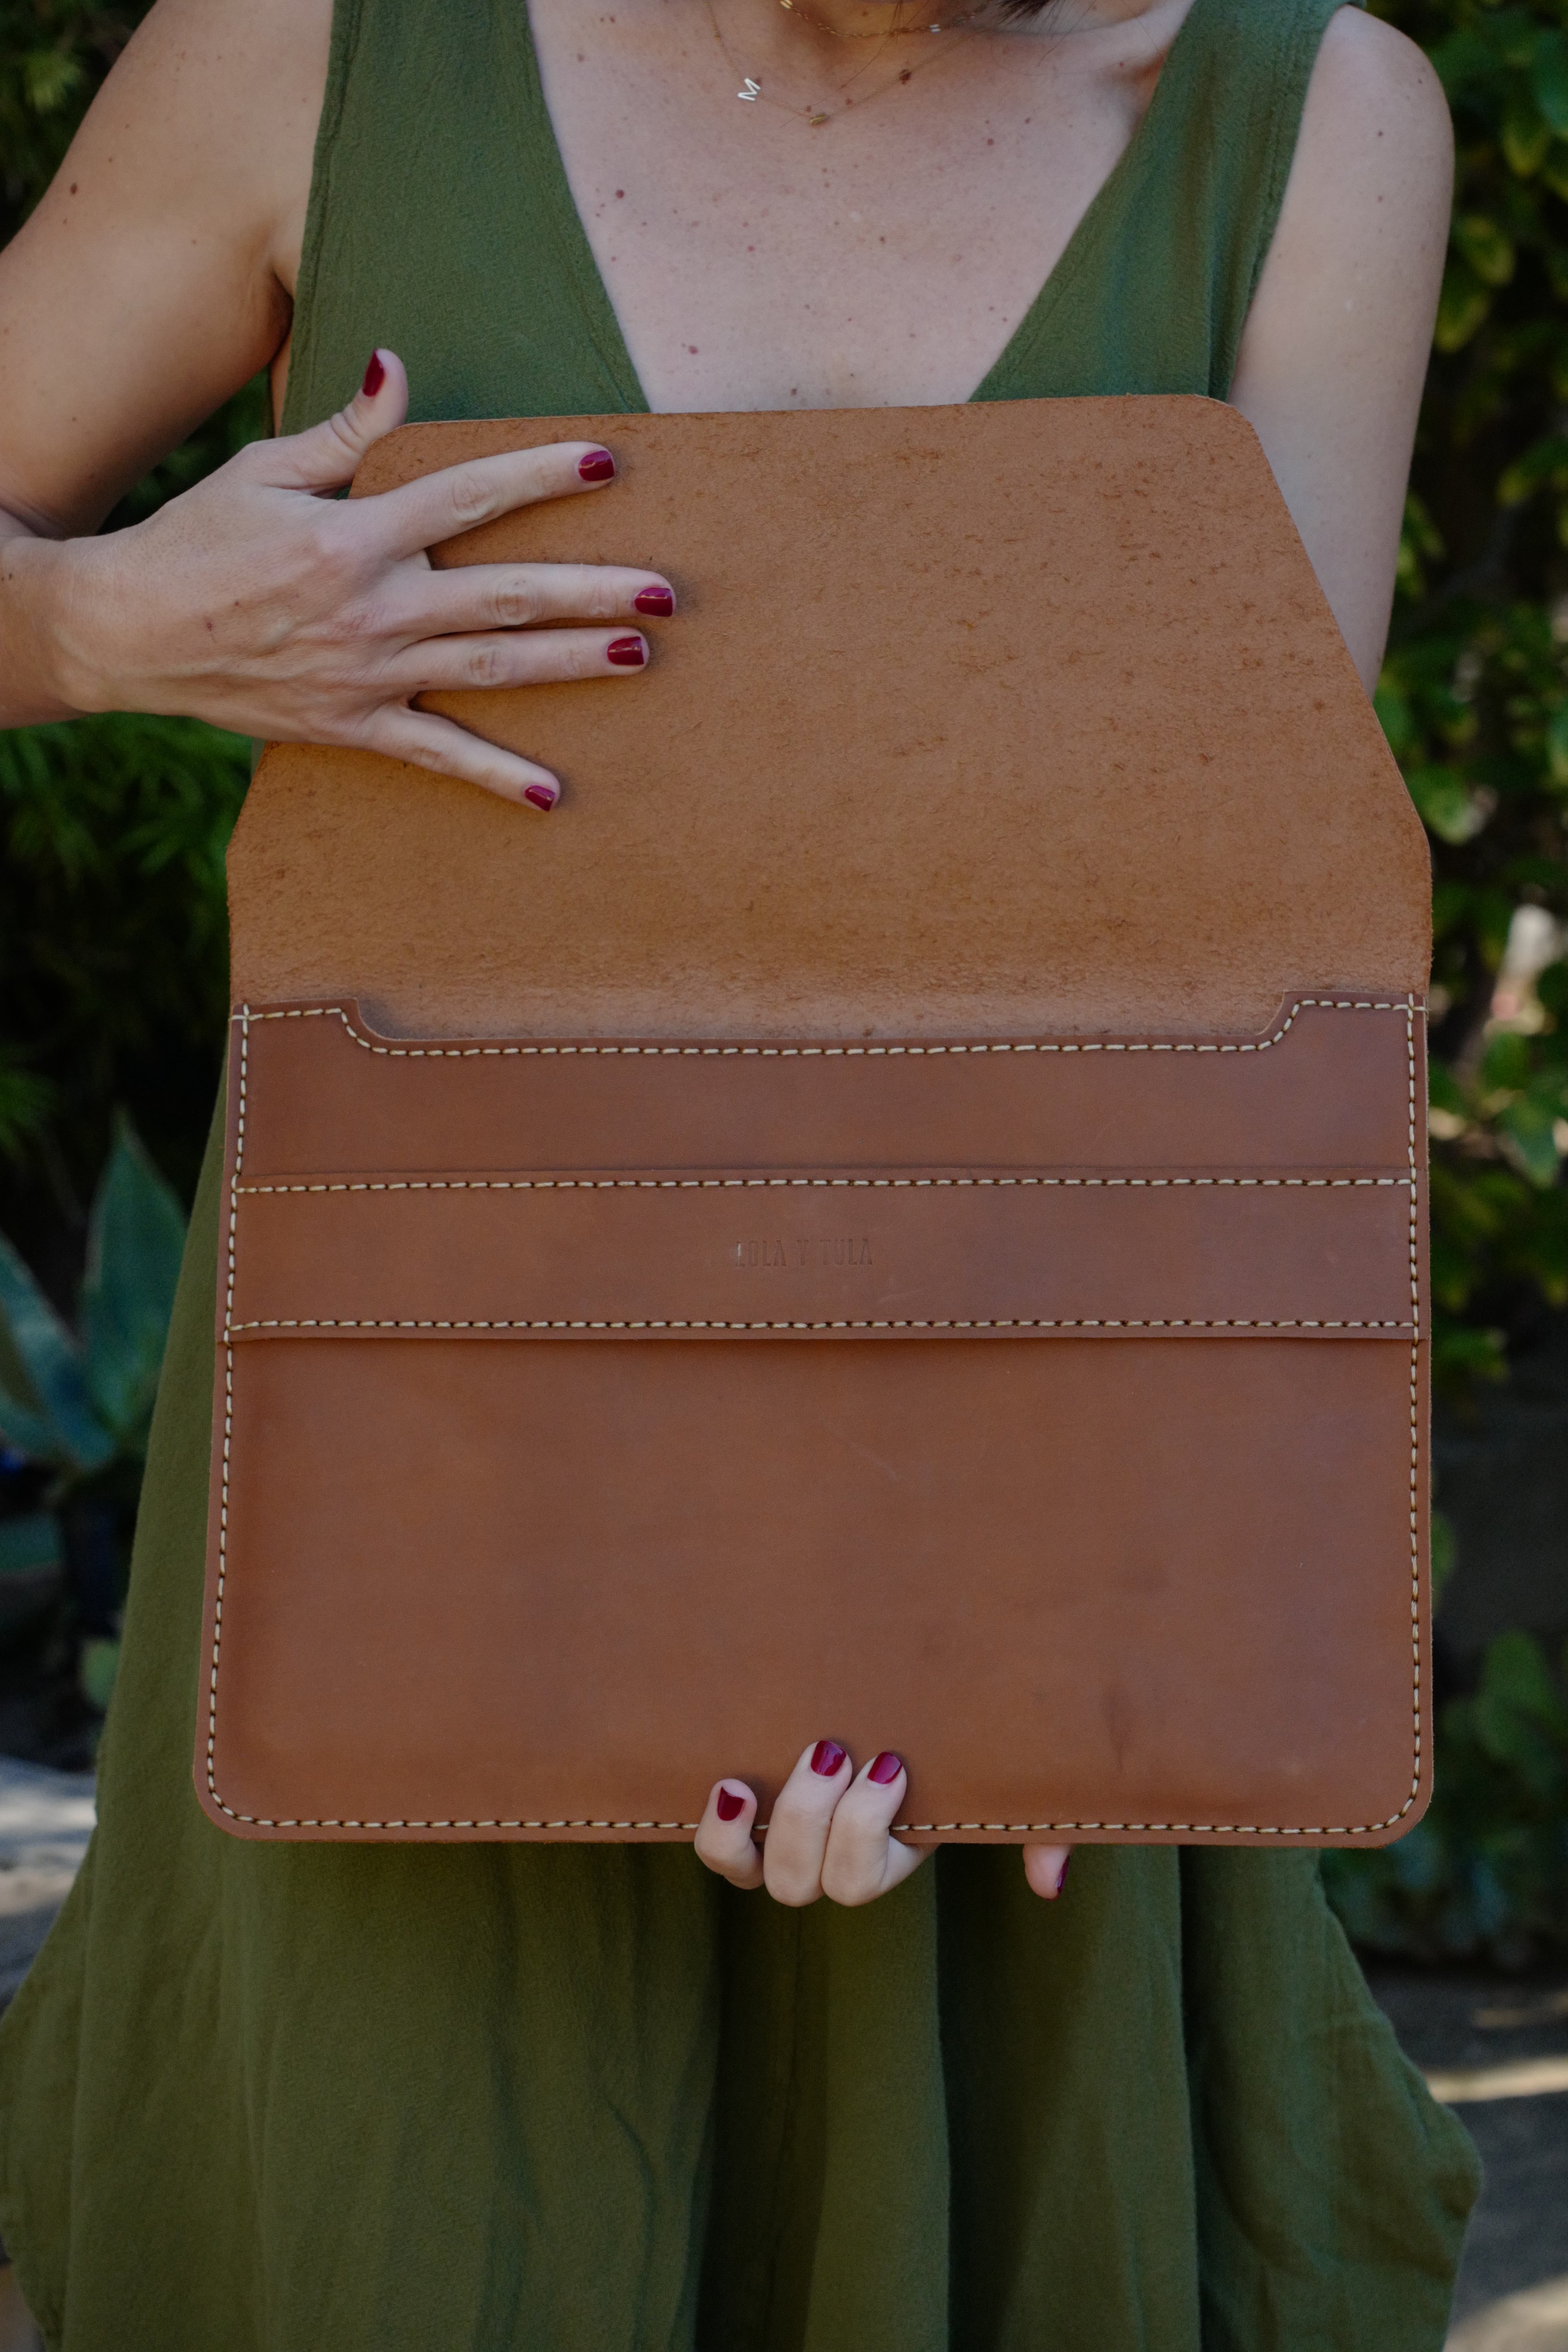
<point>826,1758</point>
<point>627,652</point>
<point>598,466</point>
<point>1062,1873</point>
<point>374,376</point>
<point>538,796</point>
<point>729,1805</point>
<point>887,1768</point>
<point>658,601</point>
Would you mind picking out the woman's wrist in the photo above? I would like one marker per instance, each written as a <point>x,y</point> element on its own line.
<point>45,629</point>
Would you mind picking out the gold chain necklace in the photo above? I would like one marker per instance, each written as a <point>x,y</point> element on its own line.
<point>752,91</point>
<point>887,32</point>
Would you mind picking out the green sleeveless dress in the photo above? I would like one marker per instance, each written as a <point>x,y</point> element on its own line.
<point>505,2099</point>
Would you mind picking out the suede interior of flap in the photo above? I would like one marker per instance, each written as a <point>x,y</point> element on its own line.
<point>1014,717</point>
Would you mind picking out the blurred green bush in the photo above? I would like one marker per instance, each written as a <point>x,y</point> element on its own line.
<point>1486,1873</point>
<point>1474,700</point>
<point>76,1407</point>
<point>1474,696</point>
<point>76,1403</point>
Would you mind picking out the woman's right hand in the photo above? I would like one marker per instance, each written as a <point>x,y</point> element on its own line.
<point>831,1833</point>
<point>261,601</point>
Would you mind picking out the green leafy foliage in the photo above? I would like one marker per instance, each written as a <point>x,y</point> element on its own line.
<point>53,55</point>
<point>1474,700</point>
<point>45,1412</point>
<point>32,1561</point>
<point>135,1241</point>
<point>98,1670</point>
<point>1485,1873</point>
<point>112,938</point>
<point>1474,697</point>
<point>76,1402</point>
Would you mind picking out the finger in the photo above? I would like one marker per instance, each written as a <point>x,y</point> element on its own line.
<point>1046,1868</point>
<point>515,658</point>
<point>797,1832</point>
<point>724,1841</point>
<point>327,456</point>
<point>421,514</point>
<point>862,1861</point>
<point>428,741</point>
<point>482,596</point>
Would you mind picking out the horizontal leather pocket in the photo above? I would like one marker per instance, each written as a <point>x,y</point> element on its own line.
<point>1331,1087</point>
<point>861,1254</point>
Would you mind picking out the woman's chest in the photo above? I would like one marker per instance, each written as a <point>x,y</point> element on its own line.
<point>886,257</point>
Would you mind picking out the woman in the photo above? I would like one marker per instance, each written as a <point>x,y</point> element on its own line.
<point>485,2097</point>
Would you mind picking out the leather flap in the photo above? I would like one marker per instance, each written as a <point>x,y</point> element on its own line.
<point>1015,717</point>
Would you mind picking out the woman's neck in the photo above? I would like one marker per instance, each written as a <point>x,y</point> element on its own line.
<point>826,39</point>
<point>759,256</point>
<point>872,20</point>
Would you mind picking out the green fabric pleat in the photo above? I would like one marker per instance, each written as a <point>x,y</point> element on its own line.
<point>514,2099</point>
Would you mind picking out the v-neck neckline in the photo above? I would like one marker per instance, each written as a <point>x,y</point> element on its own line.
<point>547,165</point>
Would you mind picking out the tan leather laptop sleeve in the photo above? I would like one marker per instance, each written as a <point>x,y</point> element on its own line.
<point>896,1213</point>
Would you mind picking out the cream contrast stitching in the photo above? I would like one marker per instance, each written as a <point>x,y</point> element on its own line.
<point>825,1183</point>
<point>908,1323</point>
<point>951,1323</point>
<point>1406,1006</point>
<point>228,1425</point>
<point>871,1183</point>
<point>547,1051</point>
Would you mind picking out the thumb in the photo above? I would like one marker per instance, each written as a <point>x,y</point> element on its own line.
<point>327,456</point>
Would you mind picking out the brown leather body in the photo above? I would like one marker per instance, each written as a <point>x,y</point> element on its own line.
<point>666,1317</point>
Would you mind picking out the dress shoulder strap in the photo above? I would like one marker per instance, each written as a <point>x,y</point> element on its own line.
<point>441,222</point>
<point>1152,292</point>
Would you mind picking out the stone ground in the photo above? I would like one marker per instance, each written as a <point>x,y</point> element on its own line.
<point>1495,2046</point>
<point>46,1818</point>
<point>1498,2048</point>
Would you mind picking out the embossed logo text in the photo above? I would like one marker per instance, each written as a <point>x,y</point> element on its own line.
<point>804,1250</point>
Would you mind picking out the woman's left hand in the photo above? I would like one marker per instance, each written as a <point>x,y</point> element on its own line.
<point>829,1833</point>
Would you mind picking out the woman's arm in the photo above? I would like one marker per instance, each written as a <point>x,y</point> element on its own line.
<point>1334,356</point>
<point>153,280</point>
<point>157,274</point>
